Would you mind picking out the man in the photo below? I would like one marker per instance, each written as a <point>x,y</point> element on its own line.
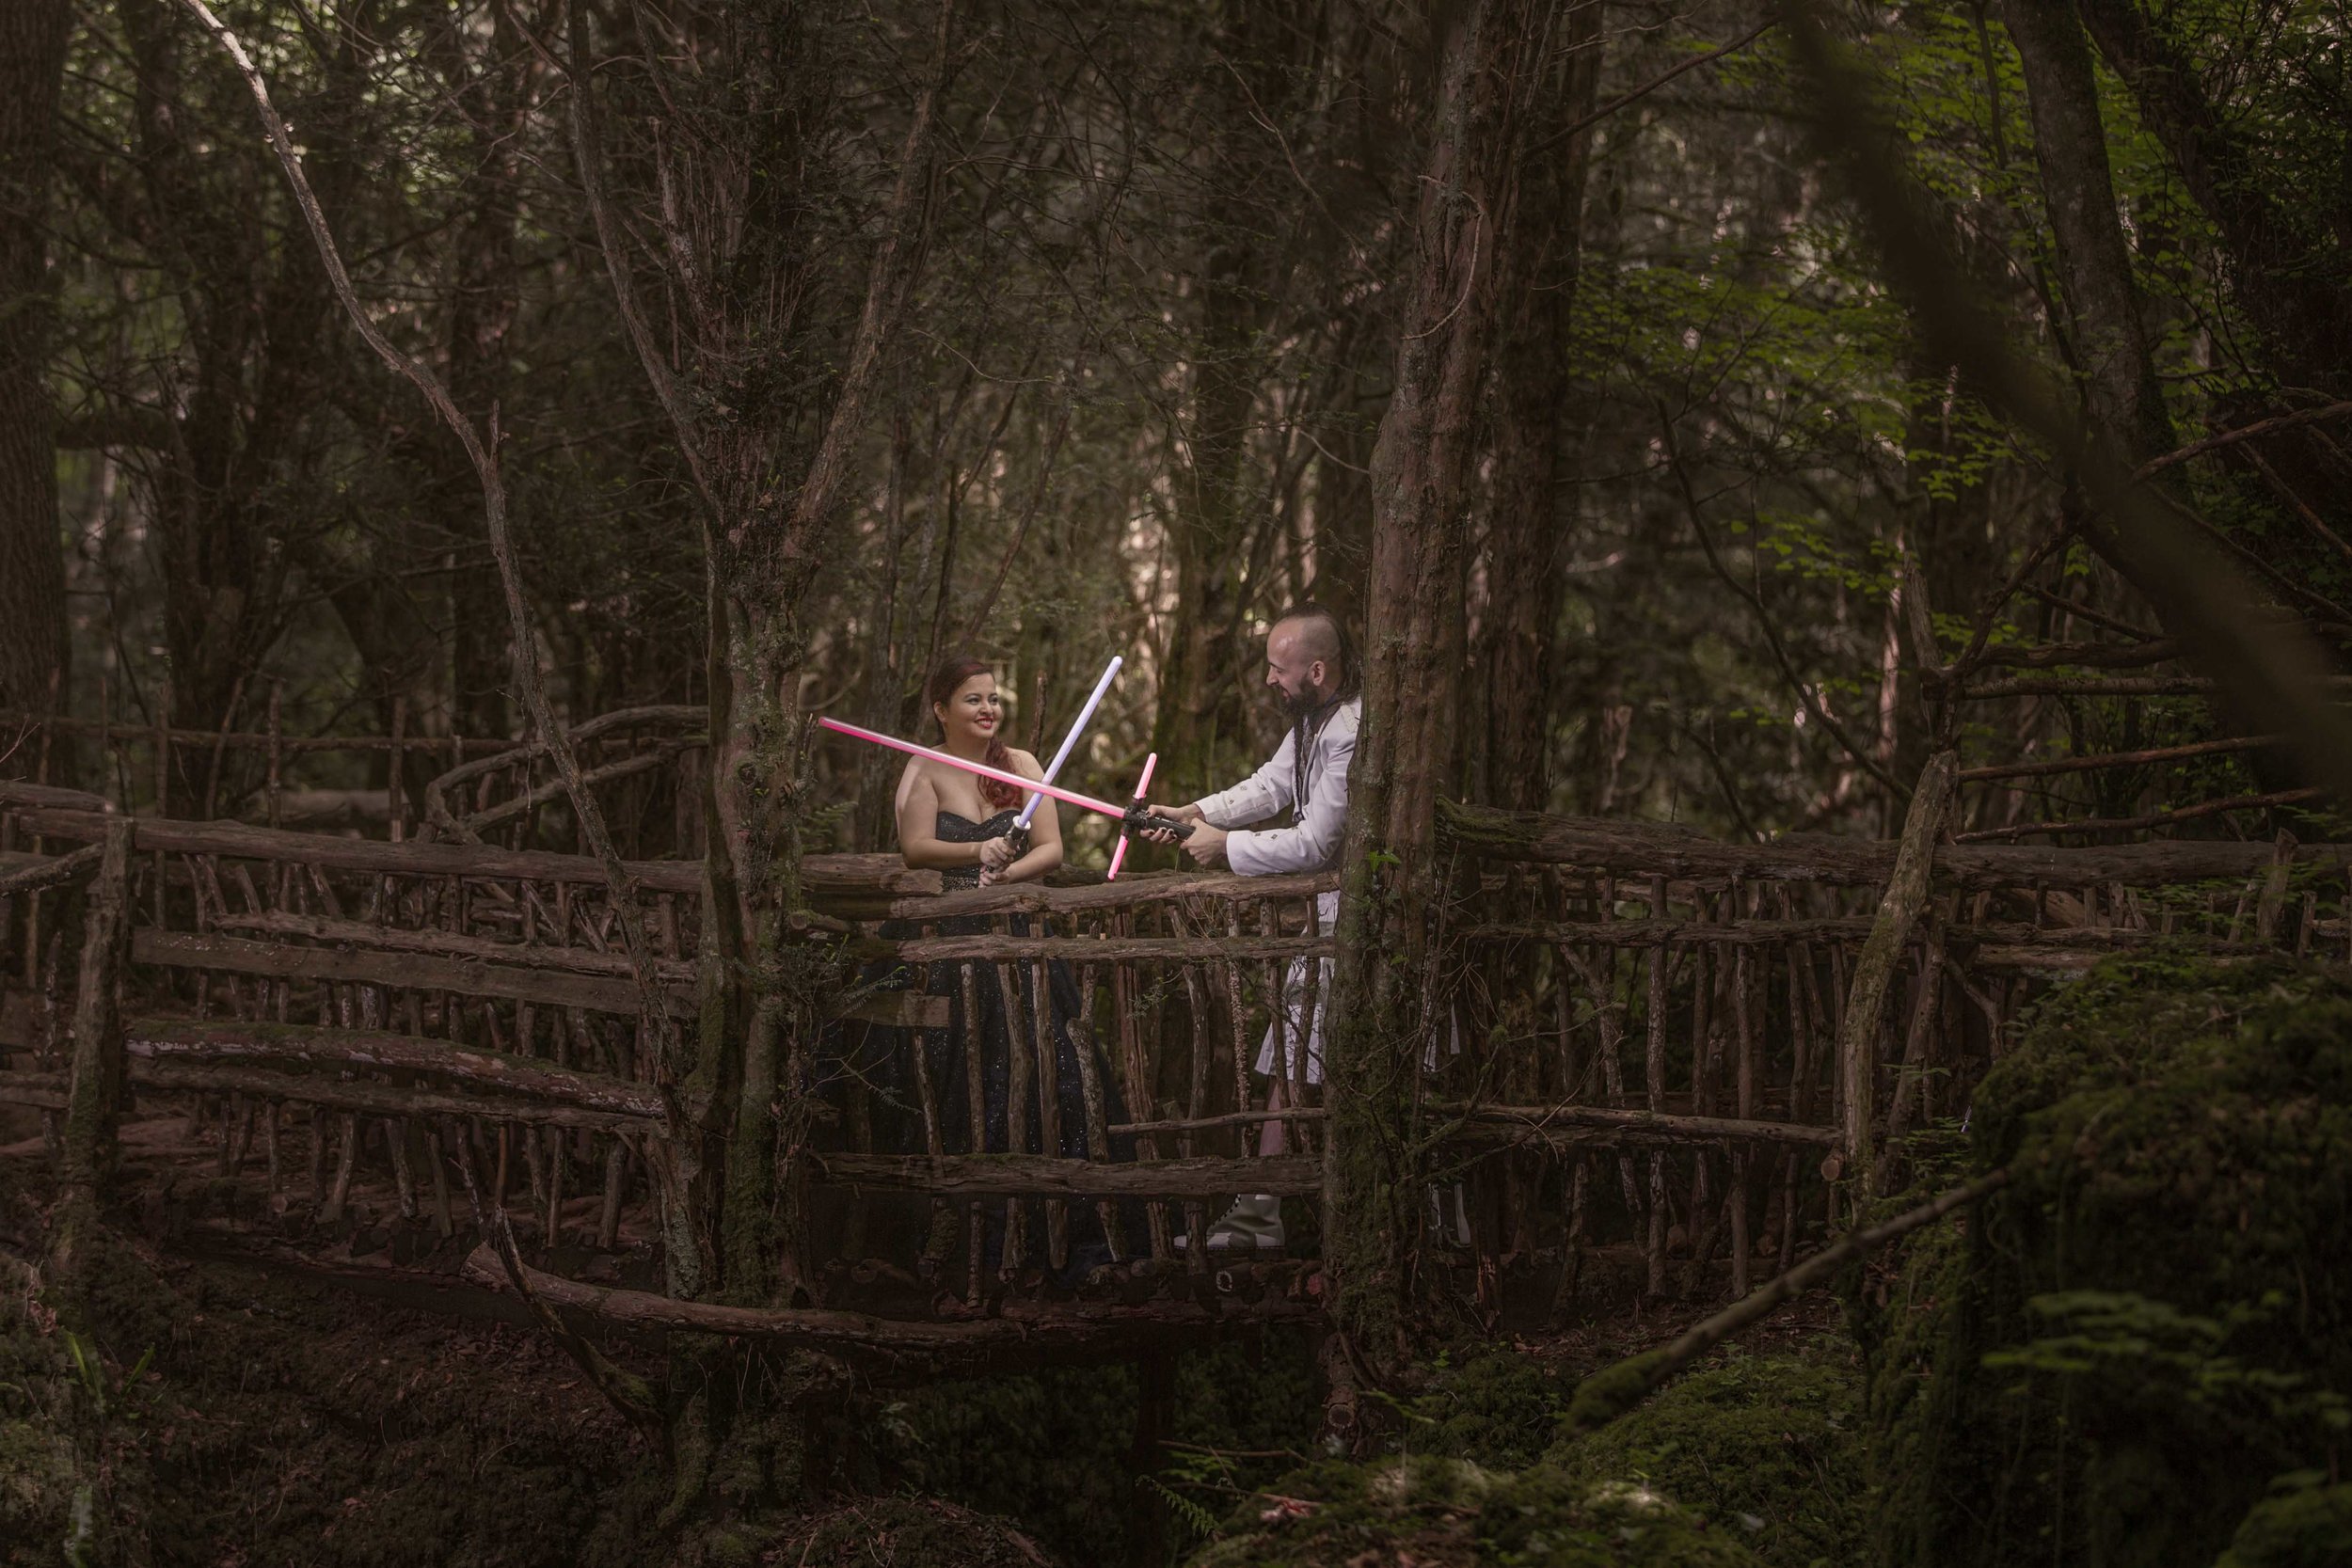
<point>1311,668</point>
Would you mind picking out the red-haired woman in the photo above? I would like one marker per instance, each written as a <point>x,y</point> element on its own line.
<point>958,822</point>
<point>961,823</point>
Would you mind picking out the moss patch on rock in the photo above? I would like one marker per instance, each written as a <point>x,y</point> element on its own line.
<point>1434,1512</point>
<point>1767,1447</point>
<point>2111,1361</point>
<point>1499,1408</point>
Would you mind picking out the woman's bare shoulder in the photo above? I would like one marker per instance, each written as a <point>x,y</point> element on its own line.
<point>1026,765</point>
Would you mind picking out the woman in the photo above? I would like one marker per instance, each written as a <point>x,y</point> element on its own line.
<point>958,822</point>
<point>961,825</point>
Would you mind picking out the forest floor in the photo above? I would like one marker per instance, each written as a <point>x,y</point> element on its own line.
<point>272,1392</point>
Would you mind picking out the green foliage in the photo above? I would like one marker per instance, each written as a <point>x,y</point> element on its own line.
<point>1448,1511</point>
<point>1499,1409</point>
<point>1767,1446</point>
<point>1055,1448</point>
<point>2307,1525</point>
<point>2155,1318</point>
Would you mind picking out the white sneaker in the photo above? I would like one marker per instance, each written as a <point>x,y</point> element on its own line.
<point>1252,1222</point>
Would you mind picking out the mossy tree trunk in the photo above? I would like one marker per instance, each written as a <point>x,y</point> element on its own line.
<point>1388,1005</point>
<point>770,457</point>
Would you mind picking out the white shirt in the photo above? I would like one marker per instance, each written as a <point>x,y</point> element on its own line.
<point>1312,843</point>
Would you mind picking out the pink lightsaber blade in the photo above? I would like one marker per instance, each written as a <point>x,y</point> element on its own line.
<point>1143,785</point>
<point>1131,816</point>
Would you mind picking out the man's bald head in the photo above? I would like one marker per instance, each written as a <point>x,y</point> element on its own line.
<point>1310,635</point>
<point>1309,659</point>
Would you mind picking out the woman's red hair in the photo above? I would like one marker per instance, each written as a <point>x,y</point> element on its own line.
<point>944,682</point>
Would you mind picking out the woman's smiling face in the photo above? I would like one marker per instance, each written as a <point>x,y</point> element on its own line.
<point>973,714</point>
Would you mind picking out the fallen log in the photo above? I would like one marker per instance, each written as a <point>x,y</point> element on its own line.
<point>1608,1394</point>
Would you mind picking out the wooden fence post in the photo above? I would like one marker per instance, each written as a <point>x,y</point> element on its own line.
<point>95,1076</point>
<point>1881,955</point>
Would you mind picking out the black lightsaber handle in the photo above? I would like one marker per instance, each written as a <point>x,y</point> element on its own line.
<point>1141,819</point>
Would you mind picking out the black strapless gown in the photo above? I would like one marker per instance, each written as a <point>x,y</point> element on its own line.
<point>889,1067</point>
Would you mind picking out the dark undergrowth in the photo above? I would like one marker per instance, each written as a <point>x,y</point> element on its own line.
<point>2138,1352</point>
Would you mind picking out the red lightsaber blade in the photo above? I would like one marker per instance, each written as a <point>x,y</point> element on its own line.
<point>1132,818</point>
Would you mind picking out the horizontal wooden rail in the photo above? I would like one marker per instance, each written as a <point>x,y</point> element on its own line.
<point>2090,939</point>
<point>1649,848</point>
<point>388,1099</point>
<point>31,873</point>
<point>415,971</point>
<point>1577,1123</point>
<point>996,948</point>
<point>361,933</point>
<point>1014,1324</point>
<point>1040,1175</point>
<point>48,1091</point>
<point>297,1050</point>
<point>1133,890</point>
<point>620,720</point>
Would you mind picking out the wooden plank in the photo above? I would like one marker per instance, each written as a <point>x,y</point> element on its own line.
<point>1021,1175</point>
<point>1078,950</point>
<point>821,876</point>
<point>390,1100</point>
<point>1605,1125</point>
<point>421,971</point>
<point>1132,890</point>
<point>1606,843</point>
<point>1013,1325</point>
<point>360,933</point>
<point>298,1048</point>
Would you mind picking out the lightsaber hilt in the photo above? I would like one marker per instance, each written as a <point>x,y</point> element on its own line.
<point>1141,819</point>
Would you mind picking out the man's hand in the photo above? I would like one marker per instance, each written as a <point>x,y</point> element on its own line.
<point>1178,814</point>
<point>1206,844</point>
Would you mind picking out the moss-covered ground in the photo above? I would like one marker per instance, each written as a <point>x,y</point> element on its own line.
<point>2149,1332</point>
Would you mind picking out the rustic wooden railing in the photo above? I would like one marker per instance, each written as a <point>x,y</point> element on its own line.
<point>1656,1054</point>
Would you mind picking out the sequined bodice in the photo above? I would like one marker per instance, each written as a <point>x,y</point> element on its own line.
<point>955,828</point>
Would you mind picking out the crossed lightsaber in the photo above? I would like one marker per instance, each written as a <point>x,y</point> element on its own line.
<point>1133,817</point>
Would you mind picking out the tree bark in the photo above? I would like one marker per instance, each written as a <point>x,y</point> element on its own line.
<point>33,642</point>
<point>2295,280</point>
<point>2109,333</point>
<point>1384,1010</point>
<point>1526,534</point>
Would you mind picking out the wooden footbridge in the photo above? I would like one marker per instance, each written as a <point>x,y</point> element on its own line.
<point>1675,1053</point>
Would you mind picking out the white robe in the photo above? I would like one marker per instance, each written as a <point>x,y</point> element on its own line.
<point>1310,844</point>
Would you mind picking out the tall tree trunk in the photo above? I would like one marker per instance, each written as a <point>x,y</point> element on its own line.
<point>492,90</point>
<point>1535,285</point>
<point>2110,338</point>
<point>1385,1008</point>
<point>1202,727</point>
<point>2287,260</point>
<point>33,644</point>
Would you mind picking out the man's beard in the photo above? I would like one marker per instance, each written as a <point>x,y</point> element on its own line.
<point>1300,704</point>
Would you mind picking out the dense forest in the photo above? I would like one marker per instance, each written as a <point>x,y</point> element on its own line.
<point>1763,423</point>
